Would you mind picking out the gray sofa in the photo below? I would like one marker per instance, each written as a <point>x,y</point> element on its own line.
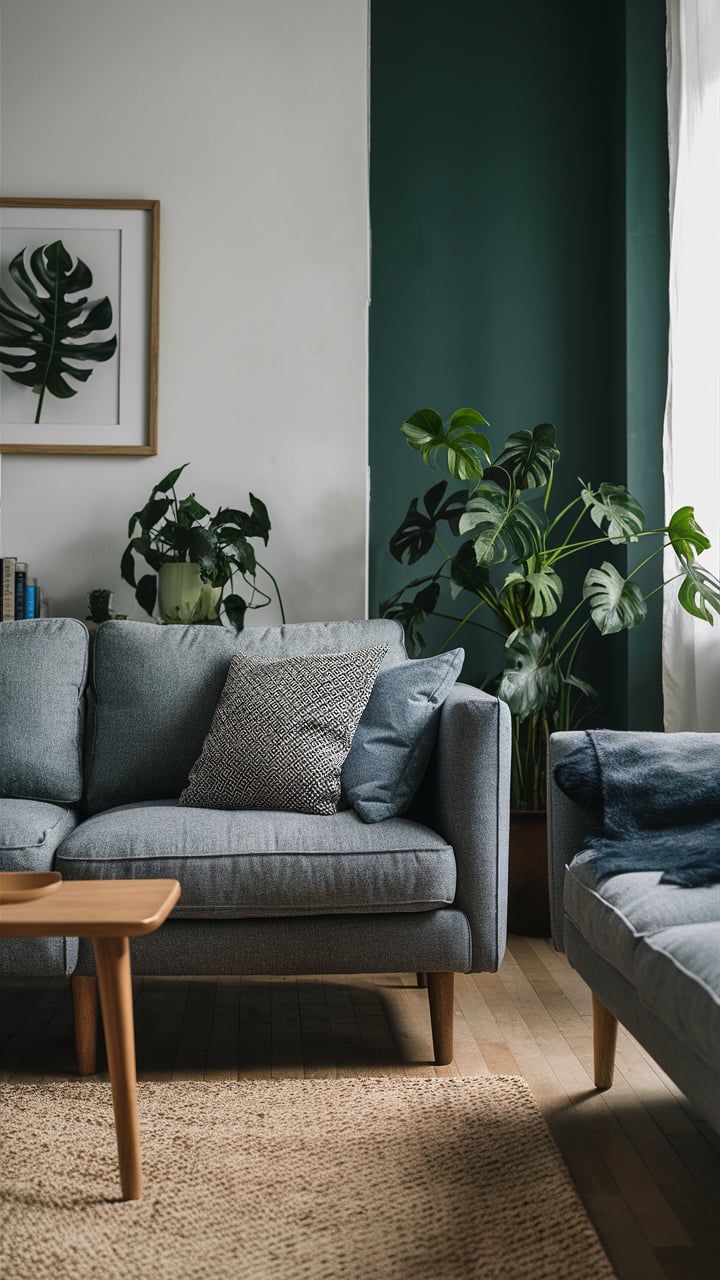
<point>649,951</point>
<point>94,794</point>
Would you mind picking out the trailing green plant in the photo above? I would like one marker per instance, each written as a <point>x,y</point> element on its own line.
<point>513,563</point>
<point>43,340</point>
<point>172,530</point>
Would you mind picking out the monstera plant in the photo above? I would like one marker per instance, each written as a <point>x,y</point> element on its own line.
<point>195,557</point>
<point>42,347</point>
<point>503,549</point>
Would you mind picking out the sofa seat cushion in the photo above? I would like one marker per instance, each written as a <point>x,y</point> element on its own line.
<point>243,863</point>
<point>678,977</point>
<point>616,914</point>
<point>30,832</point>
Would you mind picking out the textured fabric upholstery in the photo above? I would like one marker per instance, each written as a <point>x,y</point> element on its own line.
<point>396,734</point>
<point>625,909</point>
<point>30,832</point>
<point>38,957</point>
<point>433,941</point>
<point>156,689</point>
<point>678,977</point>
<point>468,803</point>
<point>266,863</point>
<point>650,950</point>
<point>43,670</point>
<point>281,732</point>
<point>677,1054</point>
<point>568,828</point>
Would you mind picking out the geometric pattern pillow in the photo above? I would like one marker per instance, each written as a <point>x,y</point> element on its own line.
<point>281,732</point>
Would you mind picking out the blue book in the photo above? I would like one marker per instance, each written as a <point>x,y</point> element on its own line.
<point>30,600</point>
<point>20,580</point>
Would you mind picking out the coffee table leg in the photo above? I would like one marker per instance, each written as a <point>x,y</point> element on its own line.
<point>112,962</point>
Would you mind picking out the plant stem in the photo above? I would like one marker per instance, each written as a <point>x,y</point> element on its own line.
<point>277,589</point>
<point>452,617</point>
<point>462,622</point>
<point>40,403</point>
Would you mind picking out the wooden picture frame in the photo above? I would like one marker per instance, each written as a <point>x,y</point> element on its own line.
<point>106,277</point>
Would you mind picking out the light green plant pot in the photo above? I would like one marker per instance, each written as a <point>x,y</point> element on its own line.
<point>184,597</point>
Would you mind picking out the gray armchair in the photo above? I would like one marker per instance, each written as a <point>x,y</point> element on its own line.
<point>648,947</point>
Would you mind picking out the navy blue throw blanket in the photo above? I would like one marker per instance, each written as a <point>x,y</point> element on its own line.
<point>656,802</point>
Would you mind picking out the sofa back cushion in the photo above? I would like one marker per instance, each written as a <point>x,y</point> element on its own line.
<point>43,671</point>
<point>156,689</point>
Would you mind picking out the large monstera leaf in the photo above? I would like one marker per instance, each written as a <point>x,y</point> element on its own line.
<point>614,508</point>
<point>411,614</point>
<point>42,347</point>
<point>699,593</point>
<point>416,535</point>
<point>686,536</point>
<point>509,529</point>
<point>529,683</point>
<point>541,590</point>
<point>529,456</point>
<point>616,603</point>
<point>467,575</point>
<point>467,450</point>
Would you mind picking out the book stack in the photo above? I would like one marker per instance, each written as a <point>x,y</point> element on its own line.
<point>20,592</point>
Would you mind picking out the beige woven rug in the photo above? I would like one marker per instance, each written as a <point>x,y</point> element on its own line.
<point>354,1179</point>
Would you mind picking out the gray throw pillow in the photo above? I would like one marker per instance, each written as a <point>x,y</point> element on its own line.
<point>281,732</point>
<point>395,737</point>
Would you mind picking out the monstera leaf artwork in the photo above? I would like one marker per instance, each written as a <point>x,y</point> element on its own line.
<point>50,346</point>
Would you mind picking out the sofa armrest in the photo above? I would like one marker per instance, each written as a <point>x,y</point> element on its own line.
<point>466,799</point>
<point>568,826</point>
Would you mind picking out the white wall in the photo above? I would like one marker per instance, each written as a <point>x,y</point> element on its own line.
<point>247,119</point>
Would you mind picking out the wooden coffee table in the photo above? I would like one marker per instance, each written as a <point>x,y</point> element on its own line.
<point>110,912</point>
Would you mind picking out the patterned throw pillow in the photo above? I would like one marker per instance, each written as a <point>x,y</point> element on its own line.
<point>281,732</point>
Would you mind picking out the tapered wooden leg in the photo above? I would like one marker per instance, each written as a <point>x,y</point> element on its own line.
<point>112,962</point>
<point>605,1028</point>
<point>85,1001</point>
<point>440,995</point>
<point>422,979</point>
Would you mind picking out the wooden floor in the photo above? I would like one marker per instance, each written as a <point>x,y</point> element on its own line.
<point>646,1167</point>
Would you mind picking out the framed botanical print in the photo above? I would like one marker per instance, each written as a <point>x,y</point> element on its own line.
<point>78,326</point>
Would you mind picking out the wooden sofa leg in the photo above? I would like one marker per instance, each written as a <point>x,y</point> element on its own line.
<point>422,979</point>
<point>85,1015</point>
<point>605,1028</point>
<point>441,988</point>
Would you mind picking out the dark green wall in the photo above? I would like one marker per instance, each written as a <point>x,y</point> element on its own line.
<point>646,294</point>
<point>498,215</point>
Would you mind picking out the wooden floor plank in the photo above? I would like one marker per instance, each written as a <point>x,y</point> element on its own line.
<point>645,1165</point>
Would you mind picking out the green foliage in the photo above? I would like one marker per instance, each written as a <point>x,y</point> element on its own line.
<point>172,530</point>
<point>54,331</point>
<point>100,606</point>
<point>511,565</point>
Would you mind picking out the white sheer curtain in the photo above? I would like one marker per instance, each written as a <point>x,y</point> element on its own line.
<point>691,648</point>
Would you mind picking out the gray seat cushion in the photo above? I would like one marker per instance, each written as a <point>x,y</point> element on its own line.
<point>616,915</point>
<point>678,977</point>
<point>30,832</point>
<point>156,689</point>
<point>43,670</point>
<point>237,864</point>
